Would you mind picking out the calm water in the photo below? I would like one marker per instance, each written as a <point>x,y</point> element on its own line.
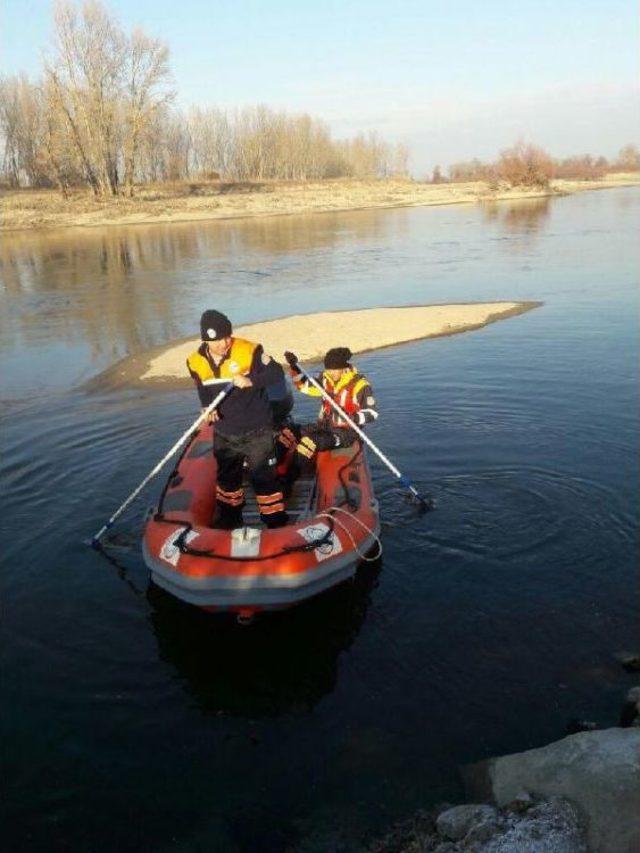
<point>131,720</point>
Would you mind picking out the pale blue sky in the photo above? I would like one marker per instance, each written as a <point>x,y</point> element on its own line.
<point>454,80</point>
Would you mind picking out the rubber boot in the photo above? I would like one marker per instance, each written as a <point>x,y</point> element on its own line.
<point>275,519</point>
<point>227,517</point>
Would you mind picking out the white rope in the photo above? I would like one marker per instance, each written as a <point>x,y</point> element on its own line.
<point>343,527</point>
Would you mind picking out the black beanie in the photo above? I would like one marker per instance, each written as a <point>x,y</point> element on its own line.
<point>214,325</point>
<point>337,358</point>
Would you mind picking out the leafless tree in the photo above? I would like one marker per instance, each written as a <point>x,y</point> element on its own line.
<point>10,126</point>
<point>146,73</point>
<point>86,78</point>
<point>628,159</point>
<point>525,165</point>
<point>102,115</point>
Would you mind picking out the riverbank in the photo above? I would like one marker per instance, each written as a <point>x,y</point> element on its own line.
<point>575,795</point>
<point>184,201</point>
<point>310,335</point>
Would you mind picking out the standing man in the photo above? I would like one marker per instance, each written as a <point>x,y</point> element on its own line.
<point>346,387</point>
<point>243,421</point>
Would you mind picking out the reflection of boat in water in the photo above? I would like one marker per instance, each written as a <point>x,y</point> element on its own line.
<point>284,664</point>
<point>333,523</point>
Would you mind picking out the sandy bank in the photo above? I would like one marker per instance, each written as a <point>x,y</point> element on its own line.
<point>310,335</point>
<point>184,202</point>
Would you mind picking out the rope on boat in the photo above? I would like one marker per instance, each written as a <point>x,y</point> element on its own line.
<point>367,559</point>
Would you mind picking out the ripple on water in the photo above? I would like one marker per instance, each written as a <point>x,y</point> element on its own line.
<point>516,512</point>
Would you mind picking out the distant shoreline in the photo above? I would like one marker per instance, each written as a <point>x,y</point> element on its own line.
<point>39,210</point>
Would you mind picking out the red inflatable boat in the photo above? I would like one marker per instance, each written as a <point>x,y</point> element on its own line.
<point>334,524</point>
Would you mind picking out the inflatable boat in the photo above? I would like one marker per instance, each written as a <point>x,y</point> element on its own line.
<point>333,526</point>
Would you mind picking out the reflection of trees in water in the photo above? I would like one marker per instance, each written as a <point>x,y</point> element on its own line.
<point>284,663</point>
<point>82,289</point>
<point>626,199</point>
<point>524,216</point>
<point>123,290</point>
<point>283,234</point>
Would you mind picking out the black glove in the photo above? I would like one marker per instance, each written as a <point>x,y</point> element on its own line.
<point>291,358</point>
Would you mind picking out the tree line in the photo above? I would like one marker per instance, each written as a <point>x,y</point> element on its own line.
<point>529,165</point>
<point>103,114</point>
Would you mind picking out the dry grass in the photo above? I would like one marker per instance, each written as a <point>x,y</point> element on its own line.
<point>184,201</point>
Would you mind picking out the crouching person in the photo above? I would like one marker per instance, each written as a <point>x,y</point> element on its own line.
<point>349,389</point>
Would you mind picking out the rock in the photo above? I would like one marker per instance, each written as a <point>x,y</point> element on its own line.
<point>548,827</point>
<point>597,771</point>
<point>630,662</point>
<point>480,833</point>
<point>455,823</point>
<point>634,696</point>
<point>574,726</point>
<point>521,802</point>
<point>630,714</point>
<point>410,835</point>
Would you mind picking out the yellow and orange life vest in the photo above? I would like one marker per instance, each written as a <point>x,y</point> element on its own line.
<point>237,361</point>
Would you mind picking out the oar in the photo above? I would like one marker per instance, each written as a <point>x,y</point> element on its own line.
<point>425,503</point>
<point>95,542</point>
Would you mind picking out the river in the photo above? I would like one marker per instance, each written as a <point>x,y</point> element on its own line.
<point>133,722</point>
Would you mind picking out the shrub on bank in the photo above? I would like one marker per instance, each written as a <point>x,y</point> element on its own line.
<point>525,165</point>
<point>585,168</point>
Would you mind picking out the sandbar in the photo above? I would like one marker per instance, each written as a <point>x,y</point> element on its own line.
<point>310,335</point>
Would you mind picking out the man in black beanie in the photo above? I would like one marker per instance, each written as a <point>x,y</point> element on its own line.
<point>244,425</point>
<point>349,389</point>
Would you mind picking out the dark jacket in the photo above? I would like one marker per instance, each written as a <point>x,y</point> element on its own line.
<point>244,409</point>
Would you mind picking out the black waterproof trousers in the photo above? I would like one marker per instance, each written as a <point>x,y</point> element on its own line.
<point>320,436</point>
<point>257,448</point>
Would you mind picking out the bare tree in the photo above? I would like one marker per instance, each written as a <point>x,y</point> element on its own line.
<point>9,124</point>
<point>146,75</point>
<point>86,79</point>
<point>628,159</point>
<point>472,170</point>
<point>583,168</point>
<point>525,165</point>
<point>102,116</point>
<point>400,160</point>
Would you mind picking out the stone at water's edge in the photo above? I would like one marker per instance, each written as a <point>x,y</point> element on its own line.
<point>456,822</point>
<point>528,826</point>
<point>597,771</point>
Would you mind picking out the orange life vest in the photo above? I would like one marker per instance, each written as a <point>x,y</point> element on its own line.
<point>345,394</point>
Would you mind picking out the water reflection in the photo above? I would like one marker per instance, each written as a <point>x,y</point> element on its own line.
<point>118,291</point>
<point>284,663</point>
<point>84,292</point>
<point>524,216</point>
<point>27,259</point>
